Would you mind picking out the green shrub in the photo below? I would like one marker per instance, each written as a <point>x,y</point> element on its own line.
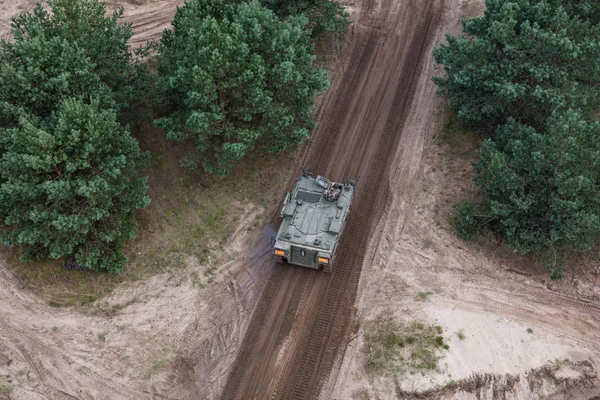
<point>70,189</point>
<point>467,223</point>
<point>323,15</point>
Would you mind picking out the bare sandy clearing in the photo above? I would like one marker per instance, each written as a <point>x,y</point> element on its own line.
<point>129,350</point>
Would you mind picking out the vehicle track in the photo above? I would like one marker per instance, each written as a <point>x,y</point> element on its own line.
<point>304,317</point>
<point>149,21</point>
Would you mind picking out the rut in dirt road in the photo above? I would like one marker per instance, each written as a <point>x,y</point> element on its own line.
<point>304,317</point>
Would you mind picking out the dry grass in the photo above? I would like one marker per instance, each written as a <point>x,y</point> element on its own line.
<point>391,346</point>
<point>192,214</point>
<point>328,47</point>
<point>361,394</point>
<point>461,140</point>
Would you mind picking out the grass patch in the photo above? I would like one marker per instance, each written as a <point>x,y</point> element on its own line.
<point>327,48</point>
<point>391,346</point>
<point>192,215</point>
<point>450,384</point>
<point>424,296</point>
<point>5,389</point>
<point>460,138</point>
<point>59,287</point>
<point>461,335</point>
<point>155,368</point>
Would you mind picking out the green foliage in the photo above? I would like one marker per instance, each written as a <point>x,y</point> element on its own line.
<point>585,9</point>
<point>323,15</point>
<point>69,188</point>
<point>523,59</point>
<point>468,224</point>
<point>544,187</point>
<point>155,368</point>
<point>556,273</point>
<point>424,296</point>
<point>238,79</point>
<point>554,263</point>
<point>69,173</point>
<point>38,73</point>
<point>528,72</point>
<point>84,27</point>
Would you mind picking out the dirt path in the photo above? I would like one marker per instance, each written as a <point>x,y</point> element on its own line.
<point>304,317</point>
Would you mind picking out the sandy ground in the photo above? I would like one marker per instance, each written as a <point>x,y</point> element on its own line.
<point>127,345</point>
<point>167,338</point>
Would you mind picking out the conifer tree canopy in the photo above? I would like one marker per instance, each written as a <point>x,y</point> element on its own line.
<point>86,25</point>
<point>72,50</point>
<point>523,59</point>
<point>69,172</point>
<point>237,78</point>
<point>527,74</point>
<point>323,15</point>
<point>36,74</point>
<point>544,186</point>
<point>71,190</point>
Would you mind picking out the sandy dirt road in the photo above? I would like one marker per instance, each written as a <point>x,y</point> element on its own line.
<point>304,317</point>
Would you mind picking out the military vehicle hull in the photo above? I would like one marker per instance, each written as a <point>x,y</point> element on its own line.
<point>313,217</point>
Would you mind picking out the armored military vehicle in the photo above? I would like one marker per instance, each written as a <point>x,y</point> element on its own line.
<point>313,217</point>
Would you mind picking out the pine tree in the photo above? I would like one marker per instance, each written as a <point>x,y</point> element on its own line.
<point>71,189</point>
<point>238,79</point>
<point>528,74</point>
<point>37,74</point>
<point>544,186</point>
<point>323,15</point>
<point>523,59</point>
<point>85,26</point>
